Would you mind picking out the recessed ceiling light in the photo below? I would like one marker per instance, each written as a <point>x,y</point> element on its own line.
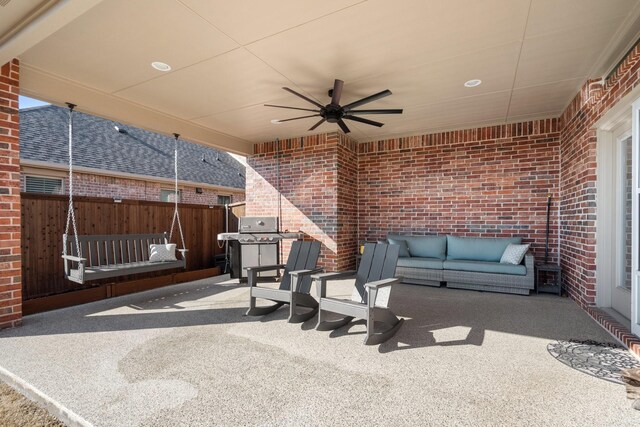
<point>161,66</point>
<point>472,83</point>
<point>276,122</point>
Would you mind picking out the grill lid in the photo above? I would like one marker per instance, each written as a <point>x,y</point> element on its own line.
<point>258,224</point>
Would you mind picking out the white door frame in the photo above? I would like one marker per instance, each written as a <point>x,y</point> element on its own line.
<point>635,264</point>
<point>627,108</point>
<point>620,295</point>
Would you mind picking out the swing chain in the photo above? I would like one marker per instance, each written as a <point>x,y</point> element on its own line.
<point>71,215</point>
<point>176,213</point>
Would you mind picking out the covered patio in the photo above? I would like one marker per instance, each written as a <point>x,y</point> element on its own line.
<point>185,355</point>
<point>500,109</point>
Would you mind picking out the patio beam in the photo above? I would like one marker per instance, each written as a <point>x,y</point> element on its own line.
<point>41,85</point>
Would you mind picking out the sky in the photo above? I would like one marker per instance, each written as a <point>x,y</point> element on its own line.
<point>25,102</point>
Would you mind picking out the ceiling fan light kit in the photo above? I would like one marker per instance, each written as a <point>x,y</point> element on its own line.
<point>334,112</point>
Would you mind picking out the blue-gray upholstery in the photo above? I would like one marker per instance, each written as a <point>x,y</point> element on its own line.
<point>464,263</point>
<point>404,248</point>
<point>478,249</point>
<point>414,262</point>
<point>485,267</point>
<point>424,246</point>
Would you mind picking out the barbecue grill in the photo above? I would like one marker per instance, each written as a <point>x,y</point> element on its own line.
<point>256,243</point>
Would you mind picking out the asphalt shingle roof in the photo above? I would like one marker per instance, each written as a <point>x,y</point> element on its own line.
<point>97,144</point>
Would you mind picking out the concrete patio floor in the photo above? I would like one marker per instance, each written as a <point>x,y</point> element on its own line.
<point>186,355</point>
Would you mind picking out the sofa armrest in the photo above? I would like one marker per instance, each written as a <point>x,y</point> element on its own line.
<point>529,262</point>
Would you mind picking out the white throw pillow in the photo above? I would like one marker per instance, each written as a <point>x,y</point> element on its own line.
<point>162,253</point>
<point>513,254</point>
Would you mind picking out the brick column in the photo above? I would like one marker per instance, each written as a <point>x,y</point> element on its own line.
<point>10,253</point>
<point>318,192</point>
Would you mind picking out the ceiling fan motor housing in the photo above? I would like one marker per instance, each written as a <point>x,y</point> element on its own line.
<point>332,113</point>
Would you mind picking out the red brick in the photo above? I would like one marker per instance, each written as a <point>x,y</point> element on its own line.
<point>10,274</point>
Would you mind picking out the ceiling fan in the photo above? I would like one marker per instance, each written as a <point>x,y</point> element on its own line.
<point>334,113</point>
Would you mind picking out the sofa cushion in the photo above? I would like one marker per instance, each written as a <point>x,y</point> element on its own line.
<point>432,263</point>
<point>424,246</point>
<point>404,249</point>
<point>485,267</point>
<point>477,248</point>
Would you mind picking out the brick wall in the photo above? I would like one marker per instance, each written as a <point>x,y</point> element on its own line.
<point>126,188</point>
<point>317,191</point>
<point>578,183</point>
<point>489,182</point>
<point>10,262</point>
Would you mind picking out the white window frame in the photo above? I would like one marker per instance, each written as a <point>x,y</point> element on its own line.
<point>171,190</point>
<point>42,176</point>
<point>224,195</point>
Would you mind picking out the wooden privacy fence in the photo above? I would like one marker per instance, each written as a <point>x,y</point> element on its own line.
<point>236,210</point>
<point>43,223</point>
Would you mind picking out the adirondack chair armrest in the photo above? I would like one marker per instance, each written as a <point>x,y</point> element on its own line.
<point>334,275</point>
<point>383,283</point>
<point>374,287</point>
<point>321,280</point>
<point>73,258</point>
<point>306,272</point>
<point>297,275</point>
<point>259,268</point>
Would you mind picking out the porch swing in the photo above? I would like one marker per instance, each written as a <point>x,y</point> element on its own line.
<point>93,257</point>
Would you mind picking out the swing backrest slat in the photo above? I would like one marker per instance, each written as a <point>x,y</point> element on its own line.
<point>119,249</point>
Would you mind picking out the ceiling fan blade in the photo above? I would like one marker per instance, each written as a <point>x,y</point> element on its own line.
<point>337,92</point>
<point>290,108</point>
<point>363,120</point>
<point>366,100</point>
<point>317,124</point>
<point>343,126</point>
<point>303,97</point>
<point>298,118</point>
<point>389,111</point>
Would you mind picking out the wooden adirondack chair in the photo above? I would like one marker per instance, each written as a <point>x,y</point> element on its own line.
<point>295,284</point>
<point>370,297</point>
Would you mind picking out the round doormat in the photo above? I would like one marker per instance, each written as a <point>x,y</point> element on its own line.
<point>601,360</point>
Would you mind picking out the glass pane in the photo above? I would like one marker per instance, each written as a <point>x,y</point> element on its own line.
<point>627,216</point>
<point>169,195</point>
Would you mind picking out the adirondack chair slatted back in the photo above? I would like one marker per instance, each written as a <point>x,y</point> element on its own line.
<point>378,262</point>
<point>303,256</point>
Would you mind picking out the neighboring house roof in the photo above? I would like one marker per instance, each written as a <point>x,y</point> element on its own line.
<point>44,134</point>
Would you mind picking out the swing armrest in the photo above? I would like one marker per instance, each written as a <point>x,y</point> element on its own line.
<point>73,258</point>
<point>182,251</point>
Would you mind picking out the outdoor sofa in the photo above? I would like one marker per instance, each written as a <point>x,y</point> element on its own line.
<point>463,262</point>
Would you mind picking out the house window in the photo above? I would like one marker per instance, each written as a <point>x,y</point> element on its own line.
<point>40,184</point>
<point>168,195</point>
<point>224,200</point>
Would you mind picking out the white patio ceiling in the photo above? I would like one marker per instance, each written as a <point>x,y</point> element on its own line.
<point>229,58</point>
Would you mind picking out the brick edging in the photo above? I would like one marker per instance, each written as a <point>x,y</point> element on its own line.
<point>616,329</point>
